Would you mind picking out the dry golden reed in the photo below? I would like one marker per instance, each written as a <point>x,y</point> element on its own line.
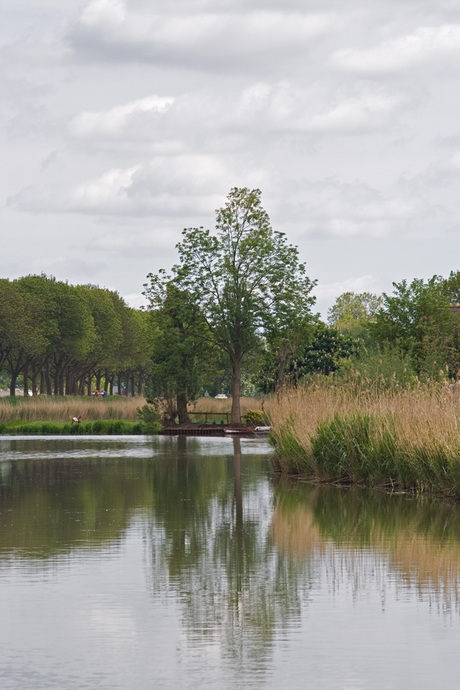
<point>43,408</point>
<point>406,438</point>
<point>425,416</point>
<point>223,405</point>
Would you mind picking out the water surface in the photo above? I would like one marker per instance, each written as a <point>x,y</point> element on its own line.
<point>182,563</point>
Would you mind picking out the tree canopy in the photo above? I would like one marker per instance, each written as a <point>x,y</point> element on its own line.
<point>245,279</point>
<point>58,337</point>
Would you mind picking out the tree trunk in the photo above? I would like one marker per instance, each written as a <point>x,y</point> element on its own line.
<point>13,380</point>
<point>42,382</point>
<point>61,383</point>
<point>140,383</point>
<point>25,375</point>
<point>181,401</point>
<point>49,389</point>
<point>236,392</point>
<point>34,382</point>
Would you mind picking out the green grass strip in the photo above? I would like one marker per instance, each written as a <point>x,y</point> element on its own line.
<point>110,427</point>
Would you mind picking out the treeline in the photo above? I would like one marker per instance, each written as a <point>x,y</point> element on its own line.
<point>70,340</point>
<point>412,332</point>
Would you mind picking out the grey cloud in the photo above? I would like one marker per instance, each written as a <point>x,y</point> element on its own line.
<point>110,29</point>
<point>344,114</point>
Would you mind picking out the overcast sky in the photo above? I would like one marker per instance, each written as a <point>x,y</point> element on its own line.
<point>124,121</point>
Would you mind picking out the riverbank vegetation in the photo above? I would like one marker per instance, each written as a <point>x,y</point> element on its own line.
<point>108,427</point>
<point>49,415</point>
<point>397,438</point>
<point>56,409</point>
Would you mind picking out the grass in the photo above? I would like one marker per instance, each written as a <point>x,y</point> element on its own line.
<point>50,415</point>
<point>100,426</point>
<point>400,439</point>
<point>55,409</point>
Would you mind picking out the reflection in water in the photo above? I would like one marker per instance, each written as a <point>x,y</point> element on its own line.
<point>361,537</point>
<point>189,547</point>
<point>211,546</point>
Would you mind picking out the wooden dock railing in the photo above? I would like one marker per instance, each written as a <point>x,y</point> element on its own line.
<point>206,415</point>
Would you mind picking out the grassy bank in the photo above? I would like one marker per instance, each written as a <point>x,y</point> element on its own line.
<point>402,439</point>
<point>99,427</point>
<point>53,415</point>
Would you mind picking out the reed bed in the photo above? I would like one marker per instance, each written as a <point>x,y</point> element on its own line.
<point>43,408</point>
<point>223,405</point>
<point>401,439</point>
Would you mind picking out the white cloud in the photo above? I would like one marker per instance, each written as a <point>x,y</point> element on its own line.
<point>328,291</point>
<point>190,121</point>
<point>169,186</point>
<point>115,121</point>
<point>335,210</point>
<point>155,110</point>
<point>428,44</point>
<point>368,111</point>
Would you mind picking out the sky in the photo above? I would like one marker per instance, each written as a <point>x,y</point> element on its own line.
<point>122,122</point>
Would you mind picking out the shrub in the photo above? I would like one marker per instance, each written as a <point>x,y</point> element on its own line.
<point>150,419</point>
<point>255,417</point>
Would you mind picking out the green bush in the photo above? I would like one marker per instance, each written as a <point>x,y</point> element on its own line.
<point>255,417</point>
<point>150,419</point>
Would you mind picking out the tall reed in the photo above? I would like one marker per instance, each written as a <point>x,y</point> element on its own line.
<point>406,439</point>
<point>43,408</point>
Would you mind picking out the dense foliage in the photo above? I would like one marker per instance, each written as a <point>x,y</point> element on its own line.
<point>63,339</point>
<point>247,283</point>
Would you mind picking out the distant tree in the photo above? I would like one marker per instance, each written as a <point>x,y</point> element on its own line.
<point>24,334</point>
<point>246,280</point>
<point>352,310</point>
<point>417,320</point>
<point>325,353</point>
<point>108,336</point>
<point>450,287</point>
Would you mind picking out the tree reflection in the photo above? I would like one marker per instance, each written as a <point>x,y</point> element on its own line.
<point>51,507</point>
<point>215,553</point>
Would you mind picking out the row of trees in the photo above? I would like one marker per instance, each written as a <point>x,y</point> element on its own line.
<point>63,339</point>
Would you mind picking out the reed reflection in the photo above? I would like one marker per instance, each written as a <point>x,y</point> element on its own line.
<point>370,538</point>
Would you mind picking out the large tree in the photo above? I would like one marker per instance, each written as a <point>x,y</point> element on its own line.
<point>246,280</point>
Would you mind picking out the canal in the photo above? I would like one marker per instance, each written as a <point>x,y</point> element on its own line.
<point>180,563</point>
